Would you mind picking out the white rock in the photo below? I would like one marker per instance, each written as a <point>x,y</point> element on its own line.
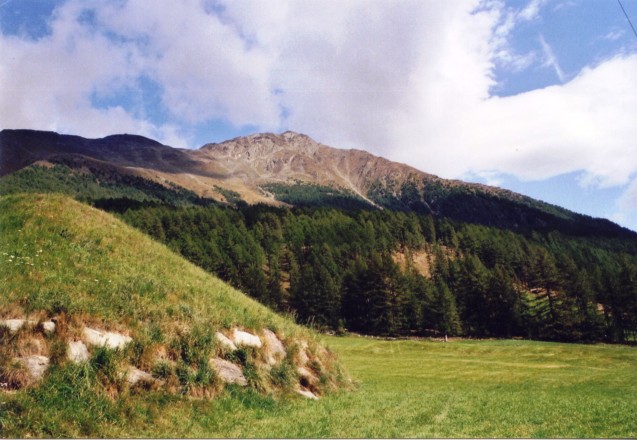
<point>105,339</point>
<point>15,324</point>
<point>246,339</point>
<point>48,326</point>
<point>225,341</point>
<point>307,393</point>
<point>228,372</point>
<point>36,365</point>
<point>77,352</point>
<point>135,375</point>
<point>274,349</point>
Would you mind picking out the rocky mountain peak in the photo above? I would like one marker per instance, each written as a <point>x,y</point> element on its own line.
<point>263,144</point>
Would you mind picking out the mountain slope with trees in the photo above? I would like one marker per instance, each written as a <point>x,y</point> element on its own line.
<point>339,270</point>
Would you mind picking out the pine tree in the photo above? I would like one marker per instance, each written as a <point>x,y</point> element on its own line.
<point>448,318</point>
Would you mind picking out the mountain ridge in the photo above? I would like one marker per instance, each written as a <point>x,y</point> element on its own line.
<point>250,165</point>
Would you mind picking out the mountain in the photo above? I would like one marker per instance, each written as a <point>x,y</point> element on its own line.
<point>294,169</point>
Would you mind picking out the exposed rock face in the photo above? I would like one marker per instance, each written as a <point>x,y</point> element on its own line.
<point>228,372</point>
<point>303,357</point>
<point>225,341</point>
<point>246,339</point>
<point>307,376</point>
<point>110,340</point>
<point>274,349</point>
<point>77,352</point>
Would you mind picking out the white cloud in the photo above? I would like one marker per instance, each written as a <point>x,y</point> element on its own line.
<point>206,67</point>
<point>48,83</point>
<point>409,79</point>
<point>585,124</point>
<point>627,206</point>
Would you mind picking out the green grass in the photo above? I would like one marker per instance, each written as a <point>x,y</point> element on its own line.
<point>406,389</point>
<point>58,254</point>
<point>489,389</point>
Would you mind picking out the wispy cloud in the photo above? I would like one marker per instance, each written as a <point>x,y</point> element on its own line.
<point>613,35</point>
<point>532,10</point>
<point>550,60</point>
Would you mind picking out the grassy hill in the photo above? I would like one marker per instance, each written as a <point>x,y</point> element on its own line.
<point>81,267</point>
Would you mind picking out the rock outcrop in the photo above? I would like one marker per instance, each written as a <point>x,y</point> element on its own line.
<point>101,338</point>
<point>77,352</point>
<point>225,341</point>
<point>274,349</point>
<point>245,339</point>
<point>15,324</point>
<point>135,376</point>
<point>228,372</point>
<point>36,365</point>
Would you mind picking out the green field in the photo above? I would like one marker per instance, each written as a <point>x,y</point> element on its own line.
<point>420,389</point>
<point>488,389</point>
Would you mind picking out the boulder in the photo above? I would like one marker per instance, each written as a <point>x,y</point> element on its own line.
<point>135,376</point>
<point>48,326</point>
<point>274,349</point>
<point>228,372</point>
<point>35,364</point>
<point>77,352</point>
<point>101,338</point>
<point>225,341</point>
<point>246,339</point>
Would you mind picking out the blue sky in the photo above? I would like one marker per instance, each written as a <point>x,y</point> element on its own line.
<point>537,96</point>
